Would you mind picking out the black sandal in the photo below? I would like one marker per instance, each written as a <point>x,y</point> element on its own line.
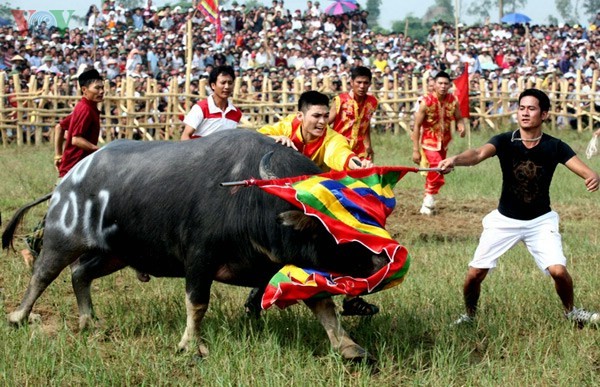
<point>358,307</point>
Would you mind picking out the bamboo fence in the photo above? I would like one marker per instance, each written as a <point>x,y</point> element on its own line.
<point>141,109</point>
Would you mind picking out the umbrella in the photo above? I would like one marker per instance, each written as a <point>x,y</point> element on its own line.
<point>340,7</point>
<point>489,66</point>
<point>514,18</point>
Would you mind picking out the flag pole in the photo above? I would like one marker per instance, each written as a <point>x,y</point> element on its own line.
<point>243,183</point>
<point>350,28</point>
<point>188,58</point>
<point>250,182</point>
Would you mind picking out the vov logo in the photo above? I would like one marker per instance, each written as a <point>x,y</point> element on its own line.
<point>26,19</point>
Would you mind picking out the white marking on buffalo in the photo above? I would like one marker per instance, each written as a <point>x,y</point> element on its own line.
<point>68,229</point>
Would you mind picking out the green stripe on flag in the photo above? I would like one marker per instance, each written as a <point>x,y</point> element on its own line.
<point>308,198</point>
<point>279,278</point>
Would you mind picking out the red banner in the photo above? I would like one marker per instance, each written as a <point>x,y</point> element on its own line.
<point>20,20</point>
<point>461,92</point>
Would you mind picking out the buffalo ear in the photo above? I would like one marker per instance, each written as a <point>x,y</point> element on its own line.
<point>298,220</point>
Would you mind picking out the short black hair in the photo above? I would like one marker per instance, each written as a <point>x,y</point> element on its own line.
<point>542,98</point>
<point>215,72</point>
<point>312,98</point>
<point>361,71</point>
<point>442,74</point>
<point>88,76</point>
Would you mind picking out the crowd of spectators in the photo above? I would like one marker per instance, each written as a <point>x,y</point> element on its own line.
<point>278,43</point>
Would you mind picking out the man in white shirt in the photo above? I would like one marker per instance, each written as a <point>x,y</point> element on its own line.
<point>216,113</point>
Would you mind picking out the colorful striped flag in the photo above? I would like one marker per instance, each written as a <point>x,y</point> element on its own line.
<point>210,9</point>
<point>353,206</point>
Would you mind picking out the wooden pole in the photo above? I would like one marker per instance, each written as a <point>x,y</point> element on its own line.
<point>500,9</point>
<point>456,29</point>
<point>527,40</point>
<point>3,129</point>
<point>593,100</point>
<point>505,105</point>
<point>188,62</point>
<point>350,33</point>
<point>553,90</point>
<point>578,108</point>
<point>21,105</point>
<point>130,113</point>
<point>39,120</point>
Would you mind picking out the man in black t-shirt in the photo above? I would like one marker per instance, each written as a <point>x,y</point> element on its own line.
<point>528,159</point>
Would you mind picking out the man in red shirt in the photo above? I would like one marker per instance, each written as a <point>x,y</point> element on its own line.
<point>432,134</point>
<point>84,126</point>
<point>351,113</point>
<point>83,130</point>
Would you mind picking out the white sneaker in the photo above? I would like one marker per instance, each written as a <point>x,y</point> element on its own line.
<point>429,201</point>
<point>582,316</point>
<point>425,210</point>
<point>428,205</point>
<point>464,319</point>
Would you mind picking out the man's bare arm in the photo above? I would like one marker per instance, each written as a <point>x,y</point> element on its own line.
<point>468,157</point>
<point>84,144</point>
<point>590,176</point>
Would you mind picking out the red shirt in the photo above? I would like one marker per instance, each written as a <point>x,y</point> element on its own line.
<point>439,115</point>
<point>85,123</point>
<point>65,122</point>
<point>353,121</point>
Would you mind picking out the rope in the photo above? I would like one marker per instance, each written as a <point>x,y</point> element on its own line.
<point>592,148</point>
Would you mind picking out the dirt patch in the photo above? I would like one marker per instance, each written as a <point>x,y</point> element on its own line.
<point>452,221</point>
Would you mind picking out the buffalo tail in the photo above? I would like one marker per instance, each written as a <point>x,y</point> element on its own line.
<point>7,235</point>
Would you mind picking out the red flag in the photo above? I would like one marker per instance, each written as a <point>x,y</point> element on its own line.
<point>210,9</point>
<point>461,92</point>
<point>20,20</point>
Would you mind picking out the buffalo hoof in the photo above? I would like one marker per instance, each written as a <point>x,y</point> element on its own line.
<point>35,318</point>
<point>186,347</point>
<point>253,303</point>
<point>18,318</point>
<point>86,322</point>
<point>357,354</point>
<point>202,350</point>
<point>362,358</point>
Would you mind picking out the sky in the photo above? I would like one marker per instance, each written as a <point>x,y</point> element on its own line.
<point>391,10</point>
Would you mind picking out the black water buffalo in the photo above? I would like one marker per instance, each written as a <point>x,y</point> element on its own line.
<point>159,208</point>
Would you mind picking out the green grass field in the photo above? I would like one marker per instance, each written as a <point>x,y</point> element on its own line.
<point>520,337</point>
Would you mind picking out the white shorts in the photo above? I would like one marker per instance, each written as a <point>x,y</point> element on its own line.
<point>500,233</point>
